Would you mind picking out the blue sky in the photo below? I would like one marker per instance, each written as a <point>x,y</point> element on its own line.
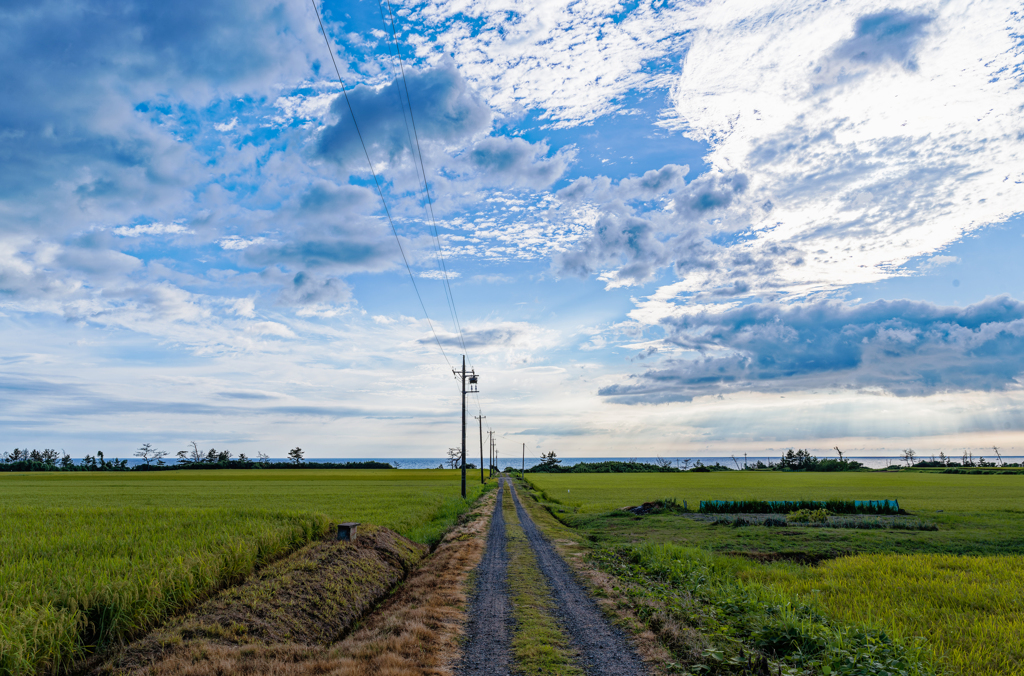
<point>671,228</point>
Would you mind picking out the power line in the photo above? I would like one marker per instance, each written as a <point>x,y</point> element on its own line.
<point>413,146</point>
<point>423,171</point>
<point>376,181</point>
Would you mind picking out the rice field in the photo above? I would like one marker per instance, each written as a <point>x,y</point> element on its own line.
<point>969,610</point>
<point>916,491</point>
<point>90,558</point>
<point>967,607</point>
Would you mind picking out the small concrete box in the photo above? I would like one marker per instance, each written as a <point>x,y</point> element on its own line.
<point>347,531</point>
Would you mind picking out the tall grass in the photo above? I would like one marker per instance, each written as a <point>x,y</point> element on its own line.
<point>86,560</point>
<point>696,588</point>
<point>72,579</point>
<point>969,609</point>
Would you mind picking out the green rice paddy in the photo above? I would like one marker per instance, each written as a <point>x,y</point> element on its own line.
<point>954,594</point>
<point>91,558</point>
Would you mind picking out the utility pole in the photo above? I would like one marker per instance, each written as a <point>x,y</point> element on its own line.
<point>522,474</point>
<point>472,384</point>
<point>481,419</point>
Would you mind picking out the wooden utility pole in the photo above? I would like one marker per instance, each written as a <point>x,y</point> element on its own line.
<point>522,474</point>
<point>472,384</point>
<point>481,419</point>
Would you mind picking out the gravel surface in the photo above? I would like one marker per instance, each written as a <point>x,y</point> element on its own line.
<point>490,612</point>
<point>604,651</point>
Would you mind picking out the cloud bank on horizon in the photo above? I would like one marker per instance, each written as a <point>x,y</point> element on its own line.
<point>669,203</point>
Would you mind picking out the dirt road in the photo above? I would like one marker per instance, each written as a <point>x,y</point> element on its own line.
<point>603,650</point>
<point>490,612</point>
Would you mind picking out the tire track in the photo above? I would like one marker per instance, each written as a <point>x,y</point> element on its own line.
<point>604,651</point>
<point>490,611</point>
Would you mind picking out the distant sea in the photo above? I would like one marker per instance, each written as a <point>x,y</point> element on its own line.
<point>876,462</point>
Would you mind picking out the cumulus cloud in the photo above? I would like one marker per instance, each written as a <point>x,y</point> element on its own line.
<point>907,348</point>
<point>845,141</point>
<point>868,134</point>
<point>449,123</point>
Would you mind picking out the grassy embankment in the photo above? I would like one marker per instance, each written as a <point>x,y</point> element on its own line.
<point>89,559</point>
<point>954,587</point>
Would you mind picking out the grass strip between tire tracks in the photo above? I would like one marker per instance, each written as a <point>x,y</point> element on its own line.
<point>539,645</point>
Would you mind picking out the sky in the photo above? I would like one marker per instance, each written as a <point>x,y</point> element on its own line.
<point>653,228</point>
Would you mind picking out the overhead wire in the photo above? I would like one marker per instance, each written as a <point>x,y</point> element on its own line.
<point>418,155</point>
<point>376,182</point>
<point>418,167</point>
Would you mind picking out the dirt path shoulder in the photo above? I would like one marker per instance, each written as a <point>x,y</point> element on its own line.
<point>604,650</point>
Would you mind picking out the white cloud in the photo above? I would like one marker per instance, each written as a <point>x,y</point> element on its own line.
<point>228,126</point>
<point>153,229</point>
<point>567,58</point>
<point>871,133</point>
<point>936,262</point>
<point>438,274</point>
<point>236,243</point>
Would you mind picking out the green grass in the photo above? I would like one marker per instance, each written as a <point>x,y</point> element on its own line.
<point>958,588</point>
<point>87,559</point>
<point>539,646</point>
<point>970,608</point>
<point>918,492</point>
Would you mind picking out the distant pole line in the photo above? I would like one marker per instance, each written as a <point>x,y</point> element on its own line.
<point>481,419</point>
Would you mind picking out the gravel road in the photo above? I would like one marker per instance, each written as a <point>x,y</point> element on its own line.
<point>604,651</point>
<point>490,612</point>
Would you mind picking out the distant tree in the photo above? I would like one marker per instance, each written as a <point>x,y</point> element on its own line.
<point>211,456</point>
<point>224,457</point>
<point>159,457</point>
<point>454,458</point>
<point>551,461</point>
<point>661,462</point>
<point>145,452</point>
<point>264,458</point>
<point>101,462</point>
<point>296,455</point>
<point>943,459</point>
<point>908,457</point>
<point>242,459</point>
<point>999,458</point>
<point>836,449</point>
<point>66,462</point>
<point>195,455</point>
<point>89,462</point>
<point>396,464</point>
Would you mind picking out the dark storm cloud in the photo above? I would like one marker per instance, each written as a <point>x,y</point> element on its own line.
<point>908,348</point>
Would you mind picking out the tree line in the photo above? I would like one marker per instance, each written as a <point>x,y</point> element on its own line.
<point>152,459</point>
